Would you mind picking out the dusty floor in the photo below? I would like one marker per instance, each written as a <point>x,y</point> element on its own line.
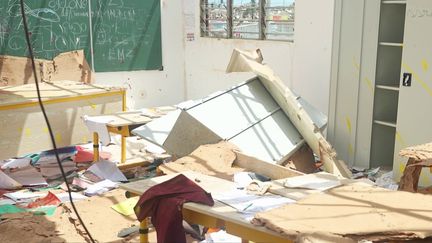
<point>101,220</point>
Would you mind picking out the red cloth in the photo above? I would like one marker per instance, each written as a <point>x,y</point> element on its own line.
<point>163,203</point>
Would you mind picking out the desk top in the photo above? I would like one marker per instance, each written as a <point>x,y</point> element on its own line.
<point>27,93</point>
<point>210,184</point>
<point>126,118</point>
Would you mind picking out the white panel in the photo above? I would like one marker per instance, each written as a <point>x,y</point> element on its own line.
<point>157,131</point>
<point>269,140</point>
<point>414,120</point>
<point>232,112</point>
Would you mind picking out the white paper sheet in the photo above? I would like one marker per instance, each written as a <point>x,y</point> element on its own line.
<point>250,204</point>
<point>98,125</point>
<point>21,196</point>
<point>107,170</point>
<point>100,188</point>
<point>8,183</point>
<point>6,201</point>
<point>15,163</point>
<point>319,181</point>
<point>64,196</point>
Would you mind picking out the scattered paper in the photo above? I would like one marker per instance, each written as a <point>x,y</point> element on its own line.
<point>15,163</point>
<point>242,179</point>
<point>28,176</point>
<point>98,125</point>
<point>107,170</point>
<point>49,199</point>
<point>6,201</point>
<point>21,196</point>
<point>319,181</point>
<point>100,188</point>
<point>64,197</point>
<point>8,183</point>
<point>154,149</point>
<point>250,204</point>
<point>222,236</point>
<point>126,207</point>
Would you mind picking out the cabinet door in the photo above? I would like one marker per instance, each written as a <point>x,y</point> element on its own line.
<point>414,119</point>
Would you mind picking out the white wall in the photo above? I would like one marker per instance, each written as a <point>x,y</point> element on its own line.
<point>207,58</point>
<point>156,88</point>
<point>196,68</point>
<point>313,51</point>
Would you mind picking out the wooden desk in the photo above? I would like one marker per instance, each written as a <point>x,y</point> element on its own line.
<point>23,129</point>
<point>121,123</point>
<point>220,215</point>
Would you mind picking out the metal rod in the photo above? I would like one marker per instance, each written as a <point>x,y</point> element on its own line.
<point>91,35</point>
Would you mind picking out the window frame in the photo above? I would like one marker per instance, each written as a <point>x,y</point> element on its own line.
<point>262,23</point>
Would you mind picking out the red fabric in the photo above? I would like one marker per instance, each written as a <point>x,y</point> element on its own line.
<point>82,155</point>
<point>163,203</point>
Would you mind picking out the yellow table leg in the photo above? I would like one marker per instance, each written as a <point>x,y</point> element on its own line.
<point>123,149</point>
<point>95,147</point>
<point>144,231</point>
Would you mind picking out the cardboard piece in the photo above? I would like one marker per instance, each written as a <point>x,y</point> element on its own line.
<point>356,211</point>
<point>251,61</point>
<point>211,159</point>
<point>66,66</point>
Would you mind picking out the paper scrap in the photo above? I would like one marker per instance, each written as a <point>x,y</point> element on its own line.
<point>6,201</point>
<point>249,204</point>
<point>15,163</point>
<point>107,170</point>
<point>126,207</point>
<point>49,199</point>
<point>319,181</point>
<point>8,183</point>
<point>100,188</point>
<point>64,197</point>
<point>98,125</point>
<point>20,196</point>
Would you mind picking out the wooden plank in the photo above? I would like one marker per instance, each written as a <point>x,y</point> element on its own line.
<point>242,61</point>
<point>13,95</point>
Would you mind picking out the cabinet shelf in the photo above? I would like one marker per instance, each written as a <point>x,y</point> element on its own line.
<point>385,123</point>
<point>397,44</point>
<point>394,2</point>
<point>388,87</point>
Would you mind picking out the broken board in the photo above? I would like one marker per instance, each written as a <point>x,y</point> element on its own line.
<point>244,61</point>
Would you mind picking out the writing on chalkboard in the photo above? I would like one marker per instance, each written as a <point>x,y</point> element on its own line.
<point>126,34</point>
<point>419,13</point>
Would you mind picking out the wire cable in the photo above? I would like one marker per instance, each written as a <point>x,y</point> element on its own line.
<point>46,118</point>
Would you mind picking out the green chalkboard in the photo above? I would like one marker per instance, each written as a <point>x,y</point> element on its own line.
<point>126,33</point>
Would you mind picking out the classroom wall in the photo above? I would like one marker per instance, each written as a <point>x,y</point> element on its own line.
<point>157,88</point>
<point>313,51</point>
<point>304,65</point>
<point>207,58</point>
<point>195,67</point>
